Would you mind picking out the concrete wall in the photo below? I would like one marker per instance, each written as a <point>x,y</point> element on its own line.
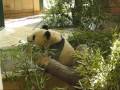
<point>20,8</point>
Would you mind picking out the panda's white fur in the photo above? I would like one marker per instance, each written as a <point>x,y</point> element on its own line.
<point>46,38</point>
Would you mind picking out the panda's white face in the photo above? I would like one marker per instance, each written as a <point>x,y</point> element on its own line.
<point>44,38</point>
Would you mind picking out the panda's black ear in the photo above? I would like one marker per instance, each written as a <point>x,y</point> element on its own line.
<point>45,27</point>
<point>47,34</point>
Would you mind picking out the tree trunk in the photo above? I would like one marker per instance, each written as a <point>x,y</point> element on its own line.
<point>59,70</point>
<point>63,72</point>
<point>76,12</point>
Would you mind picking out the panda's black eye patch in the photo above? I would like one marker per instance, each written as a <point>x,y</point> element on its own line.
<point>47,35</point>
<point>33,37</point>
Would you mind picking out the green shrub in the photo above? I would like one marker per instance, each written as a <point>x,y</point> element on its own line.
<point>86,14</point>
<point>23,67</point>
<point>59,14</point>
<point>101,40</point>
<point>113,78</point>
<point>96,72</point>
<point>90,66</point>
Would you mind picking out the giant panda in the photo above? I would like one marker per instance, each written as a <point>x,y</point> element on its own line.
<point>54,40</point>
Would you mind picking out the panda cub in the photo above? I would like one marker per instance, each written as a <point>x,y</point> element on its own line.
<point>53,40</point>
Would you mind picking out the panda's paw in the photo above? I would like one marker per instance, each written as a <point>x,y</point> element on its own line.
<point>43,61</point>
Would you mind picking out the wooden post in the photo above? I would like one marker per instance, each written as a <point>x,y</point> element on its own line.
<point>1,14</point>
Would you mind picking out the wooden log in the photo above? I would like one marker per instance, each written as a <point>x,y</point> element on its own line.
<point>1,84</point>
<point>59,70</point>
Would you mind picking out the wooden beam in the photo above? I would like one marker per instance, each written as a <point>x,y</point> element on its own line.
<point>1,14</point>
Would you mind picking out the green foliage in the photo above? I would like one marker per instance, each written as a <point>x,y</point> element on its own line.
<point>89,67</point>
<point>86,14</point>
<point>113,79</point>
<point>22,56</point>
<point>116,19</point>
<point>59,88</point>
<point>101,40</point>
<point>59,14</point>
<point>96,72</point>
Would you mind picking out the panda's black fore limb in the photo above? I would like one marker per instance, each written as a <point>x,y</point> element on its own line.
<point>33,37</point>
<point>57,48</point>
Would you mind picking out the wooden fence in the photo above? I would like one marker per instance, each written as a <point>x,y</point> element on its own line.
<point>20,8</point>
